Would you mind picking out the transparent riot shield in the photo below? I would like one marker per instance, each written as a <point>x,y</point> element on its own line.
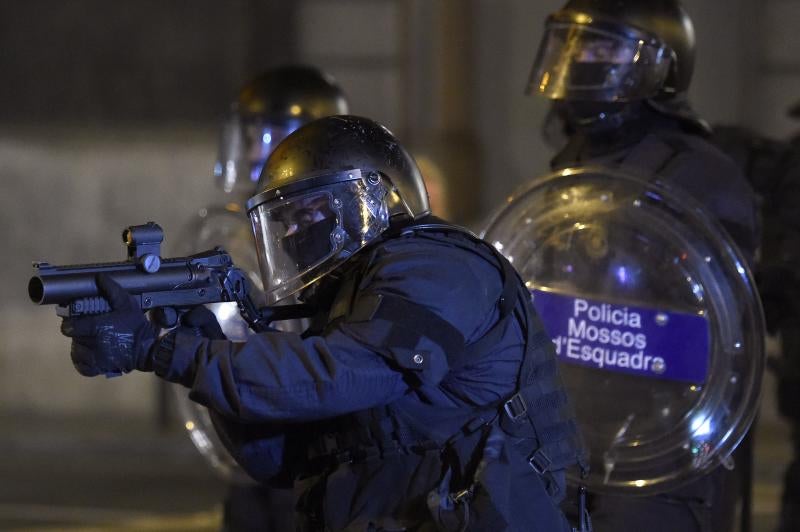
<point>227,226</point>
<point>654,316</point>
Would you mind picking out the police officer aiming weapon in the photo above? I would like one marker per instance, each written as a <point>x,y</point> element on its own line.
<point>425,362</point>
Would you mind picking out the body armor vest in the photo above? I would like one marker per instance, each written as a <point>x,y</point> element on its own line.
<point>535,421</point>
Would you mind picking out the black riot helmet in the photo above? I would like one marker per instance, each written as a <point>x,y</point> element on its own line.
<point>332,187</point>
<point>289,93</point>
<point>615,51</point>
<point>269,107</point>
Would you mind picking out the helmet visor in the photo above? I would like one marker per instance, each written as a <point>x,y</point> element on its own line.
<point>260,138</point>
<point>302,238</point>
<point>579,62</point>
<point>244,146</point>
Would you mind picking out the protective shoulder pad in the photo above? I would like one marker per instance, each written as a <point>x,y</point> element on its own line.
<point>411,336</point>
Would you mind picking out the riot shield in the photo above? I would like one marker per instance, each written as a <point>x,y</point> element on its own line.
<point>227,226</point>
<point>654,316</point>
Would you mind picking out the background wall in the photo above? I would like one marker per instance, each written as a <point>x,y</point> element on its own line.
<point>108,117</point>
<point>774,79</point>
<point>109,114</point>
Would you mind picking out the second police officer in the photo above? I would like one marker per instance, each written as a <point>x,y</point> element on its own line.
<point>618,72</point>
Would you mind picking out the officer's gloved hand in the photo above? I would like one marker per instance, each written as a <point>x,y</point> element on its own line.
<point>114,342</point>
<point>202,322</point>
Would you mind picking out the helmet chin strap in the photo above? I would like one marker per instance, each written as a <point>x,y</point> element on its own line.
<point>317,294</point>
<point>287,312</point>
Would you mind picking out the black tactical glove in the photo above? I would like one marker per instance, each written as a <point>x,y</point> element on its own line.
<point>114,342</point>
<point>202,322</point>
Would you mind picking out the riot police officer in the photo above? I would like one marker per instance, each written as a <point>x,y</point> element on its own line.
<point>425,392</point>
<point>618,72</point>
<point>268,108</point>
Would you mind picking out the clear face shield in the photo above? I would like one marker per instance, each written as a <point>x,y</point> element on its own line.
<point>306,229</point>
<point>595,63</point>
<point>245,144</point>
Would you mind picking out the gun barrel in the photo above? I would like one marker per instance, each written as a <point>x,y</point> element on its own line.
<point>61,285</point>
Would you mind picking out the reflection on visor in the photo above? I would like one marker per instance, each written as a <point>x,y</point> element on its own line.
<point>305,245</point>
<point>580,62</point>
<point>302,238</point>
<point>244,147</point>
<point>300,234</point>
<point>259,141</point>
<point>309,225</point>
<point>608,50</point>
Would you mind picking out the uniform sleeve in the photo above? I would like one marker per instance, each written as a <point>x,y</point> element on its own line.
<point>279,376</point>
